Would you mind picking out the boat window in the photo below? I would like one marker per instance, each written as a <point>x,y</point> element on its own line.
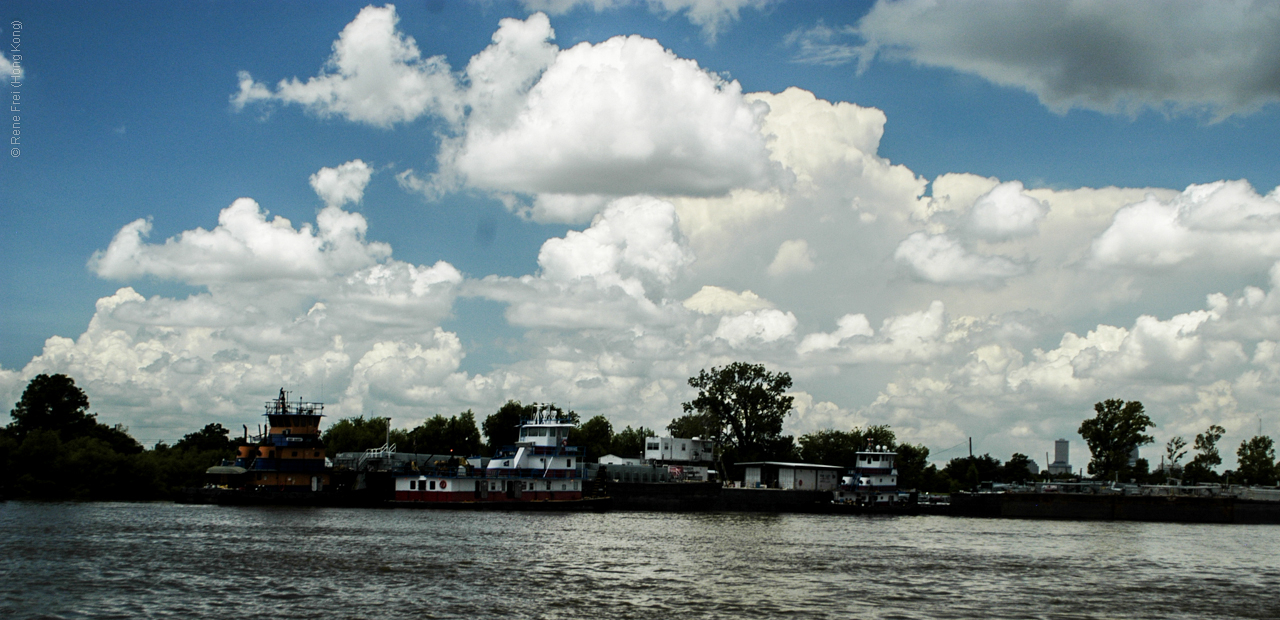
<point>570,463</point>
<point>433,485</point>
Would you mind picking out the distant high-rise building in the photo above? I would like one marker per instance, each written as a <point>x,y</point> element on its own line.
<point>1061,458</point>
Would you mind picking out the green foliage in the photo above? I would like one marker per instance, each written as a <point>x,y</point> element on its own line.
<point>595,436</point>
<point>1201,467</point>
<point>211,438</point>
<point>692,425</point>
<point>1112,434</point>
<point>1257,461</point>
<point>1017,469</point>
<point>502,428</point>
<point>629,442</point>
<point>830,447</point>
<point>967,472</point>
<point>457,435</point>
<point>915,471</point>
<point>1175,450</point>
<point>52,403</point>
<point>744,405</point>
<point>358,434</point>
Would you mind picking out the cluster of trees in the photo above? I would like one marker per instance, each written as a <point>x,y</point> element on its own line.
<point>1119,427</point>
<point>55,449</point>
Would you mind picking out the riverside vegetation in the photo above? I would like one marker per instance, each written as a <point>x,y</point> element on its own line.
<point>55,449</point>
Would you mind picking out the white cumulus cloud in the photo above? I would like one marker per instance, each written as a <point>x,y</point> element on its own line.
<point>1006,212</point>
<point>376,75</point>
<point>943,260</point>
<point>1226,221</point>
<point>341,185</point>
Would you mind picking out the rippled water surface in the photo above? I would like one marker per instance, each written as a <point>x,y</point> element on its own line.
<point>164,560</point>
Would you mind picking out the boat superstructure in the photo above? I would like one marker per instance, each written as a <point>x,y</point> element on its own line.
<point>290,456</point>
<point>540,467</point>
<point>873,480</point>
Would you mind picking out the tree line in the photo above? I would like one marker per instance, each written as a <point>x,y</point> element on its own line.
<point>1119,427</point>
<point>55,449</point>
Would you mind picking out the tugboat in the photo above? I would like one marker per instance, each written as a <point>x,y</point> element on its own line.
<point>873,486</point>
<point>286,466</point>
<point>540,472</point>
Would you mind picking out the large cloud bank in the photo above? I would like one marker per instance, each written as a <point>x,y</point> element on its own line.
<point>949,307</point>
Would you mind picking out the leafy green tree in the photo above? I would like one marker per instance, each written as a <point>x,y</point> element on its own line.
<point>595,436</point>
<point>967,472</point>
<point>358,434</point>
<point>1201,467</point>
<point>1174,451</point>
<point>53,402</point>
<point>1018,468</point>
<point>831,447</point>
<point>878,435</point>
<point>457,435</point>
<point>211,438</point>
<point>745,405</point>
<point>1112,434</point>
<point>692,425</point>
<point>629,442</point>
<point>1257,461</point>
<point>915,471</point>
<point>502,428</point>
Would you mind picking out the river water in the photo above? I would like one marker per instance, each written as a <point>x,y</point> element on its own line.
<point>105,560</point>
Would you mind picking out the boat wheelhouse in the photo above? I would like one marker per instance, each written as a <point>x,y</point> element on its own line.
<point>290,456</point>
<point>873,480</point>
<point>540,467</point>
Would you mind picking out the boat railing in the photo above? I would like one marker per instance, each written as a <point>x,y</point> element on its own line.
<point>471,472</point>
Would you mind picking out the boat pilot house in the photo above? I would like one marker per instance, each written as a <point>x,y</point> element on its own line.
<point>795,476</point>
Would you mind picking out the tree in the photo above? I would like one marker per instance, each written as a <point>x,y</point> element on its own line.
<point>1175,450</point>
<point>691,425</point>
<point>1112,435</point>
<point>830,447</point>
<point>968,471</point>
<point>53,403</point>
<point>915,471</point>
<point>1257,461</point>
<point>502,428</point>
<point>595,436</point>
<point>629,442</point>
<point>358,434</point>
<point>1018,468</point>
<point>211,438</point>
<point>1200,469</point>
<point>745,406</point>
<point>455,435</point>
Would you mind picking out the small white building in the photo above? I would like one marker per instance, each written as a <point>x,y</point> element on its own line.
<point>676,450</point>
<point>797,476</point>
<point>613,459</point>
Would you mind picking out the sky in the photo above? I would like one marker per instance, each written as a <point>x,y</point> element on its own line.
<point>961,219</point>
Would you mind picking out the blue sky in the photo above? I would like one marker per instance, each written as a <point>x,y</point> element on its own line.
<point>964,219</point>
